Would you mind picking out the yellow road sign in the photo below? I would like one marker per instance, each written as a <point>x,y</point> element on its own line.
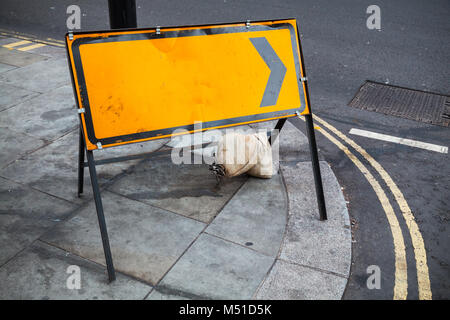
<point>143,84</point>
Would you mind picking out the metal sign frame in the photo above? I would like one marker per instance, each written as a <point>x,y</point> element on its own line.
<point>87,135</point>
<point>179,32</point>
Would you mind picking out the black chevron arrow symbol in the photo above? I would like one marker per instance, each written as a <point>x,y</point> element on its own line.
<point>277,71</point>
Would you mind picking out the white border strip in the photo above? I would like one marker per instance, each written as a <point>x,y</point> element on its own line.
<point>407,142</point>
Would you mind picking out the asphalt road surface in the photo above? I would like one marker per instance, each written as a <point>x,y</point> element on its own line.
<point>412,50</point>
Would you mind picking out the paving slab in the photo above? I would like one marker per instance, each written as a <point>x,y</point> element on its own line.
<point>187,189</point>
<point>51,52</point>
<point>6,67</point>
<point>48,116</point>
<point>15,144</point>
<point>7,40</point>
<point>51,169</point>
<point>213,268</point>
<point>145,241</point>
<point>19,58</point>
<point>325,245</point>
<point>293,282</point>
<point>256,216</point>
<point>40,272</point>
<point>22,223</point>
<point>41,76</point>
<point>157,295</point>
<point>54,168</point>
<point>293,144</point>
<point>11,95</point>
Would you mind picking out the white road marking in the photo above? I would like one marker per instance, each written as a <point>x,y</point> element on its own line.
<point>407,142</point>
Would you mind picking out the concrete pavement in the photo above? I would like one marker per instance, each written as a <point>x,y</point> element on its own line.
<point>174,232</point>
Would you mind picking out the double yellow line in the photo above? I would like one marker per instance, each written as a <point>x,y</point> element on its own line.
<point>23,45</point>
<point>21,36</point>
<point>401,274</point>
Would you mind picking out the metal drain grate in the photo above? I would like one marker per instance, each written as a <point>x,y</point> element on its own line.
<point>402,102</point>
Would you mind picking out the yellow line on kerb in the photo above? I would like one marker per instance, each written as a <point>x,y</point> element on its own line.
<point>33,46</point>
<point>423,278</point>
<point>49,41</point>
<point>16,44</point>
<point>401,274</point>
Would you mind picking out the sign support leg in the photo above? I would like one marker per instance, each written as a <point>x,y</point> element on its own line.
<point>316,167</point>
<point>278,127</point>
<point>81,163</point>
<point>101,216</point>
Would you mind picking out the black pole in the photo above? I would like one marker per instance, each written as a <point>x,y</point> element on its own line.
<point>122,14</point>
<point>316,167</point>
<point>101,217</point>
<point>312,143</point>
<point>81,162</point>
